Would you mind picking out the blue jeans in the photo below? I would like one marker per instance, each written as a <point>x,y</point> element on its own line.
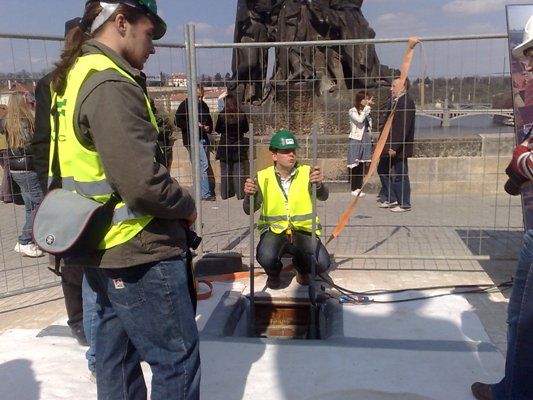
<point>146,314</point>
<point>31,194</point>
<point>395,185</point>
<point>272,246</point>
<point>518,381</point>
<point>204,169</point>
<point>90,321</point>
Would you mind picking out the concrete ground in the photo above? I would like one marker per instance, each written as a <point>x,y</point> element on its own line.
<point>473,238</point>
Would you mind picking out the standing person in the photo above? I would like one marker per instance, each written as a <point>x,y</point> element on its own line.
<point>283,193</point>
<point>205,126</point>
<point>517,381</point>
<point>360,142</point>
<point>71,278</point>
<point>395,191</point>
<point>109,148</point>
<point>19,126</point>
<point>5,187</point>
<point>232,149</point>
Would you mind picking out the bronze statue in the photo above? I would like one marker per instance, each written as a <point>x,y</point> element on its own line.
<point>335,67</point>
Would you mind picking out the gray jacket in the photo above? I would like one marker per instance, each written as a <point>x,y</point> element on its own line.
<point>111,117</point>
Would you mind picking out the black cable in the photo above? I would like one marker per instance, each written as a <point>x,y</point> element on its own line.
<point>381,291</point>
<point>361,297</point>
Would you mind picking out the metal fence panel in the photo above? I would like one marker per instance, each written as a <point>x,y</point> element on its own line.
<point>460,213</point>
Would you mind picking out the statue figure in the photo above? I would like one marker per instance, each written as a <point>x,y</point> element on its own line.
<point>335,67</point>
<point>249,65</point>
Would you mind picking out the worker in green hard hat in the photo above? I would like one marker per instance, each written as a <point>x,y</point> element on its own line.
<point>108,152</point>
<point>283,192</point>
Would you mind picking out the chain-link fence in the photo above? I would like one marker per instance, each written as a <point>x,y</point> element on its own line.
<point>463,141</point>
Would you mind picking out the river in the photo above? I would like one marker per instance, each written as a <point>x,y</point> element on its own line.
<point>465,126</point>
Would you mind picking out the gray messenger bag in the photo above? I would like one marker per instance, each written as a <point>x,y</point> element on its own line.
<point>67,224</point>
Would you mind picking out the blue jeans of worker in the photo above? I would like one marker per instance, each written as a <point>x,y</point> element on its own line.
<point>517,383</point>
<point>272,246</point>
<point>146,314</point>
<point>90,322</point>
<point>31,194</point>
<point>395,184</point>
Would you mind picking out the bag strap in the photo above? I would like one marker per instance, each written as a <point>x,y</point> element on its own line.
<point>56,182</point>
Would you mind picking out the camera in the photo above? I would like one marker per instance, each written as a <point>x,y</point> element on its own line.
<point>193,240</point>
<point>516,180</point>
<point>514,183</point>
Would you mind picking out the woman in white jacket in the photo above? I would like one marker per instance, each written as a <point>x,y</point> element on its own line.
<point>360,143</point>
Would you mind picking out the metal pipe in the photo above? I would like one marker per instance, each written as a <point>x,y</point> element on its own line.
<point>348,41</point>
<point>192,114</point>
<point>281,44</point>
<point>313,256</point>
<point>251,325</point>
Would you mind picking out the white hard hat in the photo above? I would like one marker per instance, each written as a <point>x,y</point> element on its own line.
<point>527,40</point>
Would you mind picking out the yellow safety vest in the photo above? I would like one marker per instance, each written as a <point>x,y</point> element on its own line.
<point>81,169</point>
<point>279,213</point>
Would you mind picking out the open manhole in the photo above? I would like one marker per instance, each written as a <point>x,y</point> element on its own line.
<point>275,317</point>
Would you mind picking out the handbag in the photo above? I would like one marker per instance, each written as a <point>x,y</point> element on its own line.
<point>66,223</point>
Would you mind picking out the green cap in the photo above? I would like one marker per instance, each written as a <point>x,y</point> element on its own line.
<point>283,140</point>
<point>149,7</point>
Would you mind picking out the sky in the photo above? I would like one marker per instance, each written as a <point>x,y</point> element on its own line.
<point>214,20</point>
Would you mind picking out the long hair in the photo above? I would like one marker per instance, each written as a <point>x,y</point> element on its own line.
<point>359,97</point>
<point>79,35</point>
<point>19,121</point>
<point>231,111</point>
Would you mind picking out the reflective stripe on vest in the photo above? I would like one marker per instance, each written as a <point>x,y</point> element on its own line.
<point>81,169</point>
<point>275,205</point>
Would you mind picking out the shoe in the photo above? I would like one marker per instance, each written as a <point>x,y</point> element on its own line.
<point>273,282</point>
<point>29,250</point>
<point>303,279</point>
<point>482,391</point>
<point>399,209</point>
<point>210,198</point>
<point>358,191</point>
<point>79,335</point>
<point>387,204</point>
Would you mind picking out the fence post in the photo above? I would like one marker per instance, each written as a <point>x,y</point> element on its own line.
<point>192,73</point>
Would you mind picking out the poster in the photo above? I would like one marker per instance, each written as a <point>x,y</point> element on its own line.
<point>520,33</point>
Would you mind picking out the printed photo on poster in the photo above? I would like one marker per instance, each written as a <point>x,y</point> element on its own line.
<point>520,33</point>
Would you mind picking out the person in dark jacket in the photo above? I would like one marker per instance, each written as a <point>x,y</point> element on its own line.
<point>18,126</point>
<point>71,278</point>
<point>232,149</point>
<point>205,126</point>
<point>110,148</point>
<point>393,170</point>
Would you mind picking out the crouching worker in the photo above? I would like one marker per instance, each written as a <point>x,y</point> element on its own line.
<point>283,192</point>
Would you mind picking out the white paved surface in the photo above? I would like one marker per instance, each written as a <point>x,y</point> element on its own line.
<point>430,349</point>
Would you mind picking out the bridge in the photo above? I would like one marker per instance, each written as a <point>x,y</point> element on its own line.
<point>446,115</point>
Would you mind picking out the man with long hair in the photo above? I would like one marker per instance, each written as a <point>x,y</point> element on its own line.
<point>108,148</point>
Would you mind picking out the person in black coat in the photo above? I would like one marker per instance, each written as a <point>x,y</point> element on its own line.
<point>205,126</point>
<point>393,167</point>
<point>232,149</point>
<point>71,278</point>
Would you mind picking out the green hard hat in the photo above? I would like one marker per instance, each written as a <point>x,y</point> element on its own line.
<point>149,7</point>
<point>283,140</point>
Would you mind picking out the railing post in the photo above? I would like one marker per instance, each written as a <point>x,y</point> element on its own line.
<point>446,114</point>
<point>190,49</point>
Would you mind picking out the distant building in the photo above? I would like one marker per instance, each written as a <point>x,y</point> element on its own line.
<point>11,87</point>
<point>177,80</point>
<point>211,98</point>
